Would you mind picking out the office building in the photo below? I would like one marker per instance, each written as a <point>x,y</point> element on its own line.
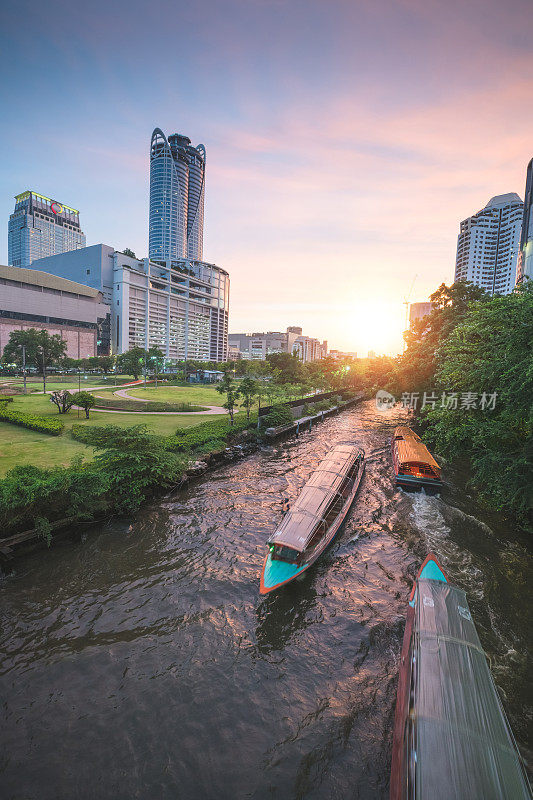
<point>177,189</point>
<point>340,355</point>
<point>30,298</point>
<point>488,244</point>
<point>308,349</point>
<point>418,311</point>
<point>40,227</point>
<point>256,346</point>
<point>182,307</point>
<point>525,257</point>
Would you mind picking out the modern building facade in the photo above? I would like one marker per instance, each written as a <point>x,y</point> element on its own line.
<point>525,257</point>
<point>182,307</point>
<point>177,190</point>
<point>30,298</point>
<point>41,227</point>
<point>309,349</point>
<point>418,311</point>
<point>256,346</point>
<point>488,245</point>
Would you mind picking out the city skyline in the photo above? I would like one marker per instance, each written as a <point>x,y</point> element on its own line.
<point>334,162</point>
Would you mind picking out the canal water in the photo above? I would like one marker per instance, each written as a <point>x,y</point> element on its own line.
<point>143,663</point>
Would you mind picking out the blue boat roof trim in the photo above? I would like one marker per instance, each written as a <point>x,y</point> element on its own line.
<point>277,572</point>
<point>432,572</point>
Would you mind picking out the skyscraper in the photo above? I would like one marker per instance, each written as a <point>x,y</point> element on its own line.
<point>525,258</point>
<point>177,188</point>
<point>488,243</point>
<point>41,227</point>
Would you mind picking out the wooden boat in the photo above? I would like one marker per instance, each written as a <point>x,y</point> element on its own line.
<point>312,523</point>
<point>414,466</point>
<point>451,737</point>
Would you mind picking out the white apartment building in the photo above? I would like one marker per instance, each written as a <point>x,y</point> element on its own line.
<point>488,245</point>
<point>180,306</point>
<point>257,346</point>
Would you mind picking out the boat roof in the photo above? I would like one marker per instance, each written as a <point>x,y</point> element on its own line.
<point>464,745</point>
<point>322,488</point>
<point>411,449</point>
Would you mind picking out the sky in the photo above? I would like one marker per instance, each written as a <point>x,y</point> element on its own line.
<point>345,139</point>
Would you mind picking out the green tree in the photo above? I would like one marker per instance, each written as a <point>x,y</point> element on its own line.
<point>128,252</point>
<point>62,399</point>
<point>228,387</point>
<point>131,362</point>
<point>42,349</point>
<point>286,367</point>
<point>248,390</point>
<point>85,400</point>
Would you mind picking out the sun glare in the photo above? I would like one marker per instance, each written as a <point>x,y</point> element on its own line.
<point>377,327</point>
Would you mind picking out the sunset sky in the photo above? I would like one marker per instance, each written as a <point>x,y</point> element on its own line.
<point>345,139</point>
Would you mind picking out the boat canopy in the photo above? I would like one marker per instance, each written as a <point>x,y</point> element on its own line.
<point>324,491</point>
<point>463,745</point>
<point>411,449</point>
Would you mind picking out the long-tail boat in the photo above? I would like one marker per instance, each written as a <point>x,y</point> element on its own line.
<point>312,523</point>
<point>451,740</point>
<point>414,466</point>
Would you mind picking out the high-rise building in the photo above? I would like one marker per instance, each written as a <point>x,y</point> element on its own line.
<point>41,227</point>
<point>419,311</point>
<point>177,189</point>
<point>488,243</point>
<point>525,258</point>
<point>182,307</point>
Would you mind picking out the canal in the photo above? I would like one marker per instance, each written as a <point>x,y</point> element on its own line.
<point>143,663</point>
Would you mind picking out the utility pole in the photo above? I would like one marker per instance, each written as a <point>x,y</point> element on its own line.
<point>24,365</point>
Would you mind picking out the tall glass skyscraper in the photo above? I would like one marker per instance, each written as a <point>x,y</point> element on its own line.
<point>41,227</point>
<point>177,188</point>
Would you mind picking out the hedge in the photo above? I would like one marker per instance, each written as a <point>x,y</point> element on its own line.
<point>151,405</point>
<point>49,425</point>
<point>280,414</point>
<point>213,432</point>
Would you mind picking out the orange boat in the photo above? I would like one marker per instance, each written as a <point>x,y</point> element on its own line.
<point>414,466</point>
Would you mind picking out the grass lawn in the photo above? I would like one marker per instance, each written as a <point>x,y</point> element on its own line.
<point>196,395</point>
<point>22,446</point>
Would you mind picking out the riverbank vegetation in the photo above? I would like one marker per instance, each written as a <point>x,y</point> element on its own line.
<point>473,358</point>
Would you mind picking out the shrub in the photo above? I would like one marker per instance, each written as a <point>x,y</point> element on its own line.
<point>138,405</point>
<point>41,424</point>
<point>216,431</point>
<point>279,415</point>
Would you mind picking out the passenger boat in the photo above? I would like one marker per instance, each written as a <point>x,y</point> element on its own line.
<point>451,740</point>
<point>312,523</point>
<point>414,466</point>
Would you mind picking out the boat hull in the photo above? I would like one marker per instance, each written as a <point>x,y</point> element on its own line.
<point>433,570</point>
<point>274,577</point>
